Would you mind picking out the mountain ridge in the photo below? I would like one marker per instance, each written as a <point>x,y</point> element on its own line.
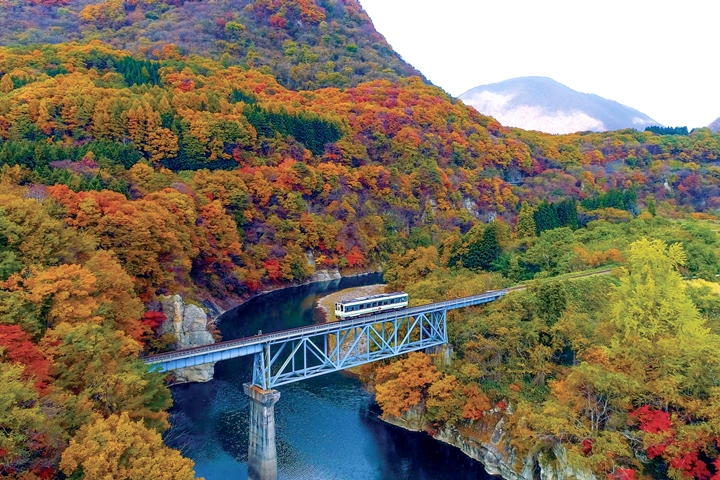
<point>543,104</point>
<point>715,126</point>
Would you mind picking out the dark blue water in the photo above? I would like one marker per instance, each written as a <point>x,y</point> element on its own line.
<point>327,427</point>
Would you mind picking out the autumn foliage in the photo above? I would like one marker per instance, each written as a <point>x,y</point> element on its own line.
<point>17,348</point>
<point>117,447</point>
<point>298,142</point>
<point>618,372</point>
<point>403,384</point>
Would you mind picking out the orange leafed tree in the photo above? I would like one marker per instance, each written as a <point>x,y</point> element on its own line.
<point>476,402</point>
<point>63,293</point>
<point>403,384</point>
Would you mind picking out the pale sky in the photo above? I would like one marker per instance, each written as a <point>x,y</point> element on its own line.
<point>647,55</point>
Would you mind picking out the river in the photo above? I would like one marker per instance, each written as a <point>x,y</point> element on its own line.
<point>327,427</point>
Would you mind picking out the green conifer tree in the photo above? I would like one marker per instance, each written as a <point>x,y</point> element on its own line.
<point>546,217</point>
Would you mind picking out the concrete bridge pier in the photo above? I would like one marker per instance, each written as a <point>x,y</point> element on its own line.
<point>262,453</point>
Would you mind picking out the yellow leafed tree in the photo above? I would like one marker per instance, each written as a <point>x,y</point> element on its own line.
<point>6,84</point>
<point>117,447</point>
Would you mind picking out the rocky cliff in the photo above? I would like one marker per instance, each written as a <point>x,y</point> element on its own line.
<point>488,442</point>
<point>192,328</point>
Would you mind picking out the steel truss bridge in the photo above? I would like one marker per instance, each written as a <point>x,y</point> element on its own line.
<point>291,355</point>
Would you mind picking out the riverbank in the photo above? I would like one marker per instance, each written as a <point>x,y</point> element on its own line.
<point>327,303</point>
<point>332,276</point>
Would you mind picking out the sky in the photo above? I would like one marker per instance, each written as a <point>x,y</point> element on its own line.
<point>646,55</point>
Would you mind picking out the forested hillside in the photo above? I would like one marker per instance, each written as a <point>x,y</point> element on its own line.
<point>613,375</point>
<point>273,140</point>
<point>252,179</point>
<point>303,43</point>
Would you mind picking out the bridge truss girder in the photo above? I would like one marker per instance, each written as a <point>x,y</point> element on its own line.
<point>284,361</point>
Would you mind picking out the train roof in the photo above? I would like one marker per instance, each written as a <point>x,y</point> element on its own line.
<point>373,297</point>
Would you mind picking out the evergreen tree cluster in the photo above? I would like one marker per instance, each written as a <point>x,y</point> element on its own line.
<point>548,215</point>
<point>667,130</point>
<point>37,154</point>
<point>484,249</point>
<point>237,96</point>
<point>308,129</point>
<point>49,161</point>
<point>139,72</point>
<point>613,198</point>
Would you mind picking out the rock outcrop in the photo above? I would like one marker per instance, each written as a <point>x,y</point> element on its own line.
<point>192,328</point>
<point>325,275</point>
<point>490,445</point>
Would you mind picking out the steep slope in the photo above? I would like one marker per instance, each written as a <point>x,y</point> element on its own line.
<point>541,103</point>
<point>304,43</point>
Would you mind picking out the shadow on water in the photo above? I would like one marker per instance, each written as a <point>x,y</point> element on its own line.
<point>327,427</point>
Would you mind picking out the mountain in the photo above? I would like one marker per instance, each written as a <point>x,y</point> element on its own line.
<point>304,44</point>
<point>541,103</point>
<point>715,126</point>
<point>162,147</point>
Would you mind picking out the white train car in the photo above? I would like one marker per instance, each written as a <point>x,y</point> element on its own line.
<point>358,307</point>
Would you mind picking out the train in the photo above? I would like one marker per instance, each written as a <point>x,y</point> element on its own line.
<point>358,307</point>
